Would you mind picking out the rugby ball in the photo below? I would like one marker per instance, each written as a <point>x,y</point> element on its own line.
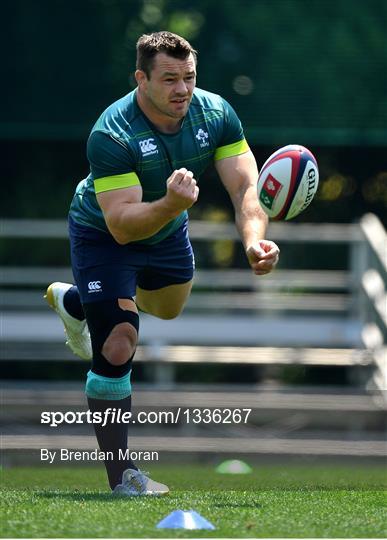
<point>288,182</point>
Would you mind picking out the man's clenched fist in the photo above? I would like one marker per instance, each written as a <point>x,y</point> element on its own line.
<point>182,191</point>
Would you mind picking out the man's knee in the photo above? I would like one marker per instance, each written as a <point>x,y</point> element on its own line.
<point>120,345</point>
<point>113,329</point>
<point>169,312</point>
<point>165,312</point>
<point>165,303</point>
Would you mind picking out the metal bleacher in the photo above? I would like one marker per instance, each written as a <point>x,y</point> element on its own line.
<point>292,317</point>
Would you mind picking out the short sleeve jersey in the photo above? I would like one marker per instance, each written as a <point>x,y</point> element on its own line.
<point>125,149</point>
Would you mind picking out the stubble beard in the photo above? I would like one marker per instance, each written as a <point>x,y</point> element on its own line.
<point>168,112</point>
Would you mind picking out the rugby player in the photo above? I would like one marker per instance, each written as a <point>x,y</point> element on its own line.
<point>128,231</point>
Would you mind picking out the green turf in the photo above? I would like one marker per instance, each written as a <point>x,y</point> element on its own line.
<point>273,501</point>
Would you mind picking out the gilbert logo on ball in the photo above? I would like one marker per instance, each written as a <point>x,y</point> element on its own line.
<point>288,182</point>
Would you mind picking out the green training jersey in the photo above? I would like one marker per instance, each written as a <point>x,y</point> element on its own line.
<point>125,149</point>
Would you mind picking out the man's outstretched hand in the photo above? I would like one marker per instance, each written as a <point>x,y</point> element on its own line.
<point>263,256</point>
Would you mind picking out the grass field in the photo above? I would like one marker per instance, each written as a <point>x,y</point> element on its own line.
<point>273,501</point>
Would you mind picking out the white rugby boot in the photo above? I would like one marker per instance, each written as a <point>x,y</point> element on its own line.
<point>77,332</point>
<point>136,483</point>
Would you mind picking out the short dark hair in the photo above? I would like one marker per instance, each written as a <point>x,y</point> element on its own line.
<point>149,45</point>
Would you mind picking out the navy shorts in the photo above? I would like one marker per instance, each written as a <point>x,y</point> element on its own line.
<point>104,270</point>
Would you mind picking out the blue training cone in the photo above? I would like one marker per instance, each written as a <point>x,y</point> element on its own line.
<point>185,519</point>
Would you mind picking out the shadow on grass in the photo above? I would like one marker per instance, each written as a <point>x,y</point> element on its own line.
<point>227,504</point>
<point>78,496</point>
<point>217,502</point>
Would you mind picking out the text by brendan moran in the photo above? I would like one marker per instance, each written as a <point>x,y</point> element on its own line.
<point>64,454</point>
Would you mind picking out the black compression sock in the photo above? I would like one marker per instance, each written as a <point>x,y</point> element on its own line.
<point>72,303</point>
<point>113,437</point>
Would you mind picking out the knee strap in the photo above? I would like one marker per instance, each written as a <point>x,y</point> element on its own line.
<point>99,387</point>
<point>101,318</point>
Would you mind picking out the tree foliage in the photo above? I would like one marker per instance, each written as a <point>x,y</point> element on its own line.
<point>312,72</point>
<point>310,68</point>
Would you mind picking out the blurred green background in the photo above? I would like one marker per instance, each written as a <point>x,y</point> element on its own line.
<point>312,72</point>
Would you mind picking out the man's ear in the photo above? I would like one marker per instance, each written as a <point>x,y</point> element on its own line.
<point>140,76</point>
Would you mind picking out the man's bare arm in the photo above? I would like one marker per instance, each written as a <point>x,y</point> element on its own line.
<point>129,219</point>
<point>239,175</point>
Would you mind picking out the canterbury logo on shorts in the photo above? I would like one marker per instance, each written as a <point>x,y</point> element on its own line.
<point>94,286</point>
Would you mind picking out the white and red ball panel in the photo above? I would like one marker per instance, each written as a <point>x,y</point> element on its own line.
<point>288,182</point>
